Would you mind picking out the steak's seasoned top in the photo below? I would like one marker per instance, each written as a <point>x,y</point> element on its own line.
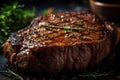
<point>61,29</point>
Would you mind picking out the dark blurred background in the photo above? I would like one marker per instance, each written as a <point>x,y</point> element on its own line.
<point>56,4</point>
<point>44,3</point>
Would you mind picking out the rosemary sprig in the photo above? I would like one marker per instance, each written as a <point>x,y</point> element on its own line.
<point>16,76</point>
<point>96,74</point>
<point>64,27</point>
<point>67,27</point>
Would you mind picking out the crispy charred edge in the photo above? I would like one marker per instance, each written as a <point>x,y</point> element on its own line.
<point>16,41</point>
<point>114,33</point>
<point>8,51</point>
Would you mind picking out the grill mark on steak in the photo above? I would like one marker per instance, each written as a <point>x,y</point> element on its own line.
<point>59,23</point>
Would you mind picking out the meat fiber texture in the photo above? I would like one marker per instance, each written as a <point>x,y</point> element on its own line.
<point>60,41</point>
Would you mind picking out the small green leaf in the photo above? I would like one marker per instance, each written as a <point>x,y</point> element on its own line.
<point>2,16</point>
<point>67,27</point>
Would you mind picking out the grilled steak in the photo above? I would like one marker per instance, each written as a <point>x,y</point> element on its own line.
<point>57,41</point>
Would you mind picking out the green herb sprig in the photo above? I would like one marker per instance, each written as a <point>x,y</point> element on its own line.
<point>67,27</point>
<point>12,18</point>
<point>10,72</point>
<point>96,74</point>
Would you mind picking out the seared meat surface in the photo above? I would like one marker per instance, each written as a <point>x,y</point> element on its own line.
<point>57,41</point>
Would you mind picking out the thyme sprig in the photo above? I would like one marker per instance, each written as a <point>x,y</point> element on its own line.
<point>10,72</point>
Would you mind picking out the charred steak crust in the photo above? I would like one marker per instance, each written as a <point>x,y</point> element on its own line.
<point>66,40</point>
